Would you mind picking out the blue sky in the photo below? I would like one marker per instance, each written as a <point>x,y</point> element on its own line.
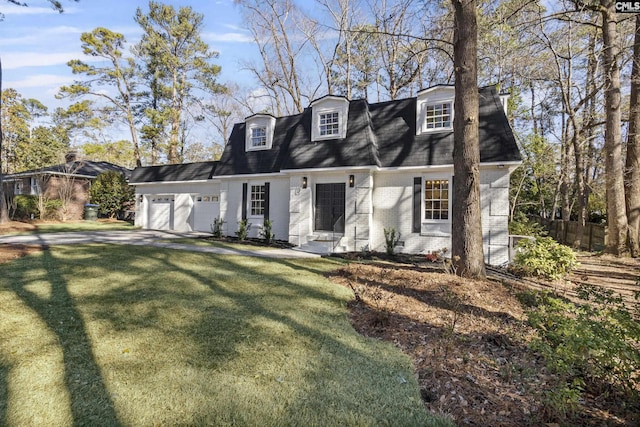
<point>36,42</point>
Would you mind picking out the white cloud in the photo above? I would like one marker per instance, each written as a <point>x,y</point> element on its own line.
<point>40,80</point>
<point>12,9</point>
<point>39,36</point>
<point>259,100</point>
<point>228,37</point>
<point>14,60</point>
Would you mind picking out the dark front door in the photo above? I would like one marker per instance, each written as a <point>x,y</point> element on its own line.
<point>330,207</point>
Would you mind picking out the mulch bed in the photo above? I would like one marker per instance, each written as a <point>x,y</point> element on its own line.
<point>468,341</point>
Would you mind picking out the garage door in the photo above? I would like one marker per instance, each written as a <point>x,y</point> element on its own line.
<point>161,212</point>
<point>206,207</point>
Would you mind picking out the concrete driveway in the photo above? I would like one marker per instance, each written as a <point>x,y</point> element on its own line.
<point>146,238</point>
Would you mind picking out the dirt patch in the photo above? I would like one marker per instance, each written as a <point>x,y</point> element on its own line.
<point>16,227</point>
<point>469,343</point>
<point>10,251</point>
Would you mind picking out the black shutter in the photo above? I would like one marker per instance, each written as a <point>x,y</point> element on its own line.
<point>244,200</point>
<point>266,201</point>
<point>417,202</point>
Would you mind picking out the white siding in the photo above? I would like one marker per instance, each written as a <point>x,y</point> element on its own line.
<point>182,208</point>
<point>393,208</point>
<point>231,206</point>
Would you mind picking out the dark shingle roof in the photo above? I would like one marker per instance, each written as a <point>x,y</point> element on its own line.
<point>174,173</point>
<point>380,134</point>
<point>84,168</point>
<point>236,160</point>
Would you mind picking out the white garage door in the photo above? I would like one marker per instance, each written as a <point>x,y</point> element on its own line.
<point>161,212</point>
<point>206,207</point>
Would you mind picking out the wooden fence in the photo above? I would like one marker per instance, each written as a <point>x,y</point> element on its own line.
<point>594,237</point>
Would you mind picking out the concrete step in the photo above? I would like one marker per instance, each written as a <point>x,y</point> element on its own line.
<point>323,246</point>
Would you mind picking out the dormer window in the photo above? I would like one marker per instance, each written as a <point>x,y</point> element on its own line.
<point>329,118</point>
<point>259,132</point>
<point>435,110</point>
<point>438,116</point>
<point>329,124</point>
<point>258,137</point>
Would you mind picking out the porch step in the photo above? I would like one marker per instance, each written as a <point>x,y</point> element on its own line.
<point>323,244</point>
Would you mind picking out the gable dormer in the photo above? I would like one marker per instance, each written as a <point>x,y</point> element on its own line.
<point>434,112</point>
<point>329,118</point>
<point>259,130</point>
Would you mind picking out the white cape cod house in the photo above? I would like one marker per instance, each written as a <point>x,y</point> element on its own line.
<point>335,176</point>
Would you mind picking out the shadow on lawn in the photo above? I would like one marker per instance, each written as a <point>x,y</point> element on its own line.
<point>325,344</point>
<point>153,283</point>
<point>90,401</point>
<point>4,393</point>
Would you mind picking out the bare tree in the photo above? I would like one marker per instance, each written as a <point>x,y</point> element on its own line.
<point>273,25</point>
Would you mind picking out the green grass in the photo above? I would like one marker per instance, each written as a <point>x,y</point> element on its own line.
<point>118,335</point>
<point>71,226</point>
<point>238,246</point>
<point>83,226</point>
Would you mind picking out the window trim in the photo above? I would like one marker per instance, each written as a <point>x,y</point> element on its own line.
<point>259,121</point>
<point>327,106</point>
<point>435,227</point>
<point>250,200</point>
<point>334,125</point>
<point>438,118</point>
<point>428,98</point>
<point>261,138</point>
<point>423,212</point>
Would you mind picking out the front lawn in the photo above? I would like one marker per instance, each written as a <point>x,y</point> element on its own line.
<point>17,227</point>
<point>118,335</point>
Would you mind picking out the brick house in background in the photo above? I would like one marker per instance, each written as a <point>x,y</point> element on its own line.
<point>335,176</point>
<point>70,181</point>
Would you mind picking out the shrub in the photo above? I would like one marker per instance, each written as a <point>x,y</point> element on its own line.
<point>544,257</point>
<point>51,209</point>
<point>25,206</point>
<point>267,232</point>
<point>521,225</point>
<point>216,227</point>
<point>592,346</point>
<point>243,229</point>
<point>391,239</point>
<point>111,191</point>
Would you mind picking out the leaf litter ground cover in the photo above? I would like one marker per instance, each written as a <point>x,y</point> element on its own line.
<point>469,341</point>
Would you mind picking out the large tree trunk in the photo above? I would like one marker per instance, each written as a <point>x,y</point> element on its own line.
<point>466,239</point>
<point>632,169</point>
<point>616,211</point>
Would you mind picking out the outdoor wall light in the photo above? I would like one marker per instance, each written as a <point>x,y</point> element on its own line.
<point>304,182</point>
<point>352,181</point>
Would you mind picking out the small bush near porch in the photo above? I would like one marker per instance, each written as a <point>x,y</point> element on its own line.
<point>116,335</point>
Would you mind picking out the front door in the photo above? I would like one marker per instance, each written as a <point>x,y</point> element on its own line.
<point>330,207</point>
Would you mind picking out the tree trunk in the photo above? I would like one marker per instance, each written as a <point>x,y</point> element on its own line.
<point>4,215</point>
<point>632,165</point>
<point>616,211</point>
<point>580,144</point>
<point>466,241</point>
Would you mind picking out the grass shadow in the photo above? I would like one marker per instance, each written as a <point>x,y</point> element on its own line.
<point>4,393</point>
<point>91,403</point>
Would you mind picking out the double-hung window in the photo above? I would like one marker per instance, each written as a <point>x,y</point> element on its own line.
<point>329,123</point>
<point>259,137</point>
<point>436,199</point>
<point>257,200</point>
<point>438,116</point>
